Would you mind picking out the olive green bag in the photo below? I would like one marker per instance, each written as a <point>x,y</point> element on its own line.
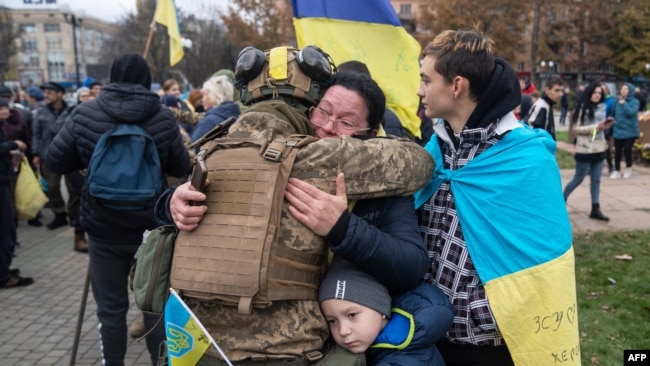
<point>152,267</point>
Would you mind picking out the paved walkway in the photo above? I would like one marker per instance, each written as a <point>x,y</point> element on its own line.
<point>37,323</point>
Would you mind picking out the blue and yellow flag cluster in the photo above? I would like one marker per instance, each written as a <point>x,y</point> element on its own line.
<point>522,250</point>
<point>166,15</point>
<point>368,31</point>
<point>186,339</point>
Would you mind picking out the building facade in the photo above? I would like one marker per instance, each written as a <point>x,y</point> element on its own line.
<point>46,49</point>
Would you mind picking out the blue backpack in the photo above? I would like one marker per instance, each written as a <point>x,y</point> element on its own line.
<point>124,171</point>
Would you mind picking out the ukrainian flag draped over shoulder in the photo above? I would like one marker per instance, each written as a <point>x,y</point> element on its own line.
<point>517,230</point>
<point>368,31</point>
<point>166,15</point>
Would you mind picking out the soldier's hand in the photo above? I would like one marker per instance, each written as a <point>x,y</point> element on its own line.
<point>185,213</point>
<point>317,210</point>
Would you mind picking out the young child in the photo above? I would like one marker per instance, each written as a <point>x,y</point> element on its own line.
<point>358,311</point>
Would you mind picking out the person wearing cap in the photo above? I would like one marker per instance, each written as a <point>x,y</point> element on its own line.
<point>44,118</point>
<point>35,97</point>
<point>74,180</point>
<point>113,239</point>
<point>8,277</point>
<point>361,318</point>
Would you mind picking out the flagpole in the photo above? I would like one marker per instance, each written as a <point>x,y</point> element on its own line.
<point>207,334</point>
<point>152,27</point>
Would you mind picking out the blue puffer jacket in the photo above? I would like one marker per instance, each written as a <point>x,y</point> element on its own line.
<point>419,319</point>
<point>73,146</point>
<point>626,116</point>
<point>213,117</point>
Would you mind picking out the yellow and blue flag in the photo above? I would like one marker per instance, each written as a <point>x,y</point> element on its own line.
<point>187,339</point>
<point>522,250</point>
<point>368,31</point>
<point>166,15</point>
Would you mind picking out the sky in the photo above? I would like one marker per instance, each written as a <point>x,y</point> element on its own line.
<point>107,10</point>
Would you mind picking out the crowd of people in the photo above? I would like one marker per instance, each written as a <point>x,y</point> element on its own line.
<point>417,279</point>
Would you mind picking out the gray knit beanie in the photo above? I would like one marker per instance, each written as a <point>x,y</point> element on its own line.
<point>347,282</point>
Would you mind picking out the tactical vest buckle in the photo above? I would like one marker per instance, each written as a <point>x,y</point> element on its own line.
<point>312,356</point>
<point>274,151</point>
<point>259,358</point>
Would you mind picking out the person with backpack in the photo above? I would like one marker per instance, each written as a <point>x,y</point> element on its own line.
<point>127,142</point>
<point>379,235</point>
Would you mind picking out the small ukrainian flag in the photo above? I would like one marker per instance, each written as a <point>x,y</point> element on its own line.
<point>187,339</point>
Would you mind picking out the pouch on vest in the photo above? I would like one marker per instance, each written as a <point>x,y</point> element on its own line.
<point>230,258</point>
<point>151,269</point>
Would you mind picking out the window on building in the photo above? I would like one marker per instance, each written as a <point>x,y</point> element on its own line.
<point>34,60</point>
<point>55,56</point>
<point>56,70</point>
<point>53,43</point>
<point>29,44</point>
<point>52,27</point>
<point>405,9</point>
<point>567,68</point>
<point>27,27</point>
<point>568,49</point>
<point>520,66</point>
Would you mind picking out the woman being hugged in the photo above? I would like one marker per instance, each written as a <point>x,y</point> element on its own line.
<point>589,123</point>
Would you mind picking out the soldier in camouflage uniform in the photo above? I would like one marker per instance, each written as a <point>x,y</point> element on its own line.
<point>380,235</point>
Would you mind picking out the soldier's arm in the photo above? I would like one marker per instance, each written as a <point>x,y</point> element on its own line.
<point>187,117</point>
<point>378,167</point>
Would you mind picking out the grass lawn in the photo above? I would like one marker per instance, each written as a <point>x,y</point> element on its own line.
<point>565,160</point>
<point>612,273</point>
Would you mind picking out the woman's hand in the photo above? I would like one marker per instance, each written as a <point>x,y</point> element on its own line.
<point>317,210</point>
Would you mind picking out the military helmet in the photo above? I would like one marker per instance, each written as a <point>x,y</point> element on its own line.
<point>283,72</point>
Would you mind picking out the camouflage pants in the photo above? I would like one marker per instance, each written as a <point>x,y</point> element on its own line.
<point>336,356</point>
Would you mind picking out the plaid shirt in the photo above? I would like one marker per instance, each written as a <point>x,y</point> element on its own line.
<point>451,267</point>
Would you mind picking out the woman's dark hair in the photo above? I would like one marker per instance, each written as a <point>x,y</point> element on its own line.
<point>585,107</point>
<point>368,89</point>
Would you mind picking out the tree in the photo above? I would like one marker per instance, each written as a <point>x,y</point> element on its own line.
<point>261,23</point>
<point>211,49</point>
<point>503,21</point>
<point>8,36</point>
<point>577,34</point>
<point>630,39</point>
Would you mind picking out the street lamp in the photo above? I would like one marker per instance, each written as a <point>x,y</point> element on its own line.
<point>544,63</point>
<point>74,20</point>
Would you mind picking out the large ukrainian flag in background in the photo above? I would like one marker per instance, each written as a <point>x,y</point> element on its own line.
<point>368,31</point>
<point>522,250</point>
<point>166,15</point>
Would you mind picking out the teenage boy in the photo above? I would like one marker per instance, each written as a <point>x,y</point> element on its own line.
<point>541,114</point>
